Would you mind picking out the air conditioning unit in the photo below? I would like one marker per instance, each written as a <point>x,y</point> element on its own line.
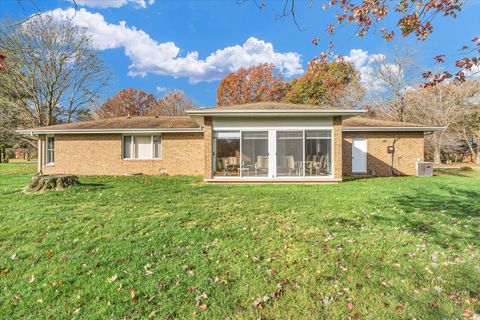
<point>424,169</point>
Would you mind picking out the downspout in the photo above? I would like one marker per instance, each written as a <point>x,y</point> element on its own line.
<point>40,156</point>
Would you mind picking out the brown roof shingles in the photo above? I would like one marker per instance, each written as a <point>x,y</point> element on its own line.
<point>269,106</point>
<point>164,122</point>
<point>363,122</point>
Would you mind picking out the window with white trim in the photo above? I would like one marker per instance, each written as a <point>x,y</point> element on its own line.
<point>142,147</point>
<point>50,150</point>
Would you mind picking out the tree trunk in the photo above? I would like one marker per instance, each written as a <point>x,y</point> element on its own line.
<point>51,182</point>
<point>437,155</point>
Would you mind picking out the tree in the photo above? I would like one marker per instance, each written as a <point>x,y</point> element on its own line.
<point>397,75</point>
<point>172,104</point>
<point>127,102</point>
<point>253,84</point>
<point>444,105</point>
<point>411,17</point>
<point>470,128</point>
<point>336,83</point>
<point>50,73</point>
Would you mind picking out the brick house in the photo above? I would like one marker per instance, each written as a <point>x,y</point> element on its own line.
<point>244,143</point>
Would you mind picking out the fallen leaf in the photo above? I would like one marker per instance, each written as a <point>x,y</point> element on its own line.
<point>133,295</point>
<point>31,279</point>
<point>271,272</point>
<point>14,256</point>
<point>350,306</point>
<point>191,289</point>
<point>202,307</point>
<point>399,308</point>
<point>114,278</point>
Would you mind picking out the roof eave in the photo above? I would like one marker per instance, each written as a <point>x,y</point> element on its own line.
<point>412,129</point>
<point>105,131</point>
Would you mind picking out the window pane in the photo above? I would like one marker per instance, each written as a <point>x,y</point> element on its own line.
<point>317,134</point>
<point>143,147</point>
<point>50,150</point>
<point>127,147</point>
<point>289,153</point>
<point>226,160</point>
<point>255,154</point>
<point>226,134</point>
<point>318,155</point>
<point>157,147</point>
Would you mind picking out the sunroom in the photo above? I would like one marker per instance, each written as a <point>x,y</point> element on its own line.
<point>272,142</point>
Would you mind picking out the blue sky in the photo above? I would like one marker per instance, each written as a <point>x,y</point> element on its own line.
<point>188,45</point>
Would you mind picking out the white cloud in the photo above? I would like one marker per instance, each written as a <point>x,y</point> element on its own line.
<point>365,64</point>
<point>149,56</point>
<point>113,3</point>
<point>161,89</point>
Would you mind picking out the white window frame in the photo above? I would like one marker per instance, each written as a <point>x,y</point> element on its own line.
<point>152,147</point>
<point>47,150</point>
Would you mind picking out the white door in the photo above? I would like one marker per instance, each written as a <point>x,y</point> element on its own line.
<point>359,155</point>
<point>272,154</point>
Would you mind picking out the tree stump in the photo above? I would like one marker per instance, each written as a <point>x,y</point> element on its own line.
<point>51,182</point>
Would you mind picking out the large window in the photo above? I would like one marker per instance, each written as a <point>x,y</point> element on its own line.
<point>142,147</point>
<point>318,153</point>
<point>50,150</point>
<point>226,153</point>
<point>289,153</point>
<point>255,153</point>
<point>272,153</point>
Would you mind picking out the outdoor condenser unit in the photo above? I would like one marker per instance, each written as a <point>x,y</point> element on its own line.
<point>424,169</point>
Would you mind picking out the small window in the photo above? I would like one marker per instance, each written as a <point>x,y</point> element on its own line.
<point>142,147</point>
<point>157,147</point>
<point>50,150</point>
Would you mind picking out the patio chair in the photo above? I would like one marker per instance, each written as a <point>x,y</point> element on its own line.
<point>290,162</point>
<point>261,166</point>
<point>321,166</point>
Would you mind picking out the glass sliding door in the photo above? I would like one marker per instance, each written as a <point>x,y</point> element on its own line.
<point>226,158</point>
<point>255,157</point>
<point>289,153</point>
<point>318,153</point>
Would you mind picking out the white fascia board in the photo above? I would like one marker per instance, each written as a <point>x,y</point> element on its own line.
<point>253,113</point>
<point>100,131</point>
<point>424,129</point>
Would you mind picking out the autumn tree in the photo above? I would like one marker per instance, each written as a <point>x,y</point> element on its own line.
<point>335,83</point>
<point>172,104</point>
<point>49,73</point>
<point>443,105</point>
<point>253,84</point>
<point>126,102</point>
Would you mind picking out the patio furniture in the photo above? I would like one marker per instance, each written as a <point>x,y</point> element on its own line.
<point>261,166</point>
<point>290,162</point>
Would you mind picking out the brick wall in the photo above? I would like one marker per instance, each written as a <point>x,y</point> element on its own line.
<point>101,154</point>
<point>208,151</point>
<point>408,148</point>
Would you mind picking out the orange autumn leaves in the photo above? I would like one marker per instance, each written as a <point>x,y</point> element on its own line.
<point>323,82</point>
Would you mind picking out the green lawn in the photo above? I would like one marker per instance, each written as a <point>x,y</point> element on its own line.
<point>173,247</point>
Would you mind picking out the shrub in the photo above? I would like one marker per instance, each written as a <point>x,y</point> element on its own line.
<point>466,169</point>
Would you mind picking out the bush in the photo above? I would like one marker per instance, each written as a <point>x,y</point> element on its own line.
<point>466,169</point>
<point>4,161</point>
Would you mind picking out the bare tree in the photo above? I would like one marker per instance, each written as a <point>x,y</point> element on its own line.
<point>444,105</point>
<point>172,104</point>
<point>469,127</point>
<point>50,72</point>
<point>398,73</point>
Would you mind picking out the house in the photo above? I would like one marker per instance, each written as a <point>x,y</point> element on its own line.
<point>241,143</point>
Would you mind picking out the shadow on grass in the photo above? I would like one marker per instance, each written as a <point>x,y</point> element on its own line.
<point>431,212</point>
<point>93,186</point>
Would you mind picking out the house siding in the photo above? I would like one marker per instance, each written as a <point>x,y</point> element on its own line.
<point>408,148</point>
<point>337,148</point>
<point>101,154</point>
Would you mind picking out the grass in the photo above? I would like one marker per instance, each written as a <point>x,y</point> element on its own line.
<point>173,247</point>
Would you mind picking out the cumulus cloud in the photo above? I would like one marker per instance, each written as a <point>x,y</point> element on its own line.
<point>161,89</point>
<point>365,63</point>
<point>113,3</point>
<point>148,56</point>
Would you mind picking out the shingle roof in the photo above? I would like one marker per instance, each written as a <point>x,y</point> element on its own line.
<point>269,106</point>
<point>165,122</point>
<point>363,122</point>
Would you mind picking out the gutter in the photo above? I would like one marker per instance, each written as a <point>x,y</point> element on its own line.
<point>104,131</point>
